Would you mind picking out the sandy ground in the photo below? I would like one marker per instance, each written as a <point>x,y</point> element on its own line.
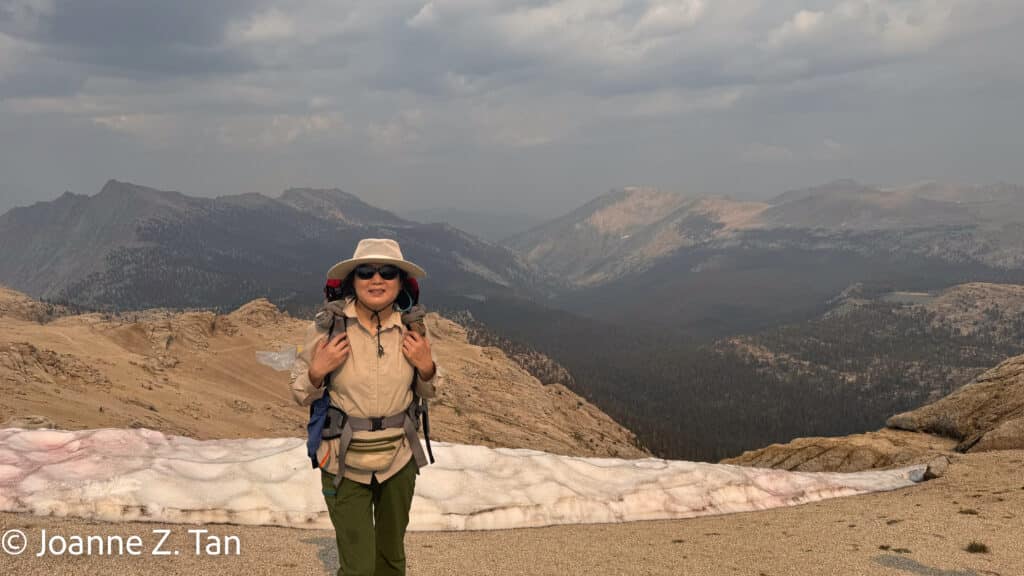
<point>922,530</point>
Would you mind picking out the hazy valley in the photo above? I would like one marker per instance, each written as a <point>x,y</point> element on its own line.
<point>705,325</point>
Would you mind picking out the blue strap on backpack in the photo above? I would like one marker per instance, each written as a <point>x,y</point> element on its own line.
<point>318,413</point>
<point>315,426</point>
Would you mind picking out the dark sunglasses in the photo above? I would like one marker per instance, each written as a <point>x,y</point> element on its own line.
<point>387,271</point>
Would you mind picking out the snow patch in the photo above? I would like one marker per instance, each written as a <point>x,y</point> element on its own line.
<point>139,474</point>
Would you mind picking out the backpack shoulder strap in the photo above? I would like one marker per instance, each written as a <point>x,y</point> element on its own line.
<point>330,334</point>
<point>418,413</point>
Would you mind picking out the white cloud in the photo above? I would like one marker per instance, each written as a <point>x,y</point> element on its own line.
<point>25,15</point>
<point>9,48</point>
<point>70,107</point>
<point>152,129</point>
<point>427,16</point>
<point>505,121</point>
<point>102,97</point>
<point>671,102</point>
<point>888,27</point>
<point>486,76</point>
<point>830,150</point>
<point>760,153</point>
<point>401,130</point>
<point>670,16</point>
<point>270,26</point>
<point>803,24</point>
<point>589,32</point>
<point>613,44</point>
<point>462,85</point>
<point>278,130</point>
<point>320,102</point>
<point>560,33</point>
<point>764,154</point>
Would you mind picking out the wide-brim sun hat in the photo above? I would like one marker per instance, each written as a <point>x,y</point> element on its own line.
<point>375,251</point>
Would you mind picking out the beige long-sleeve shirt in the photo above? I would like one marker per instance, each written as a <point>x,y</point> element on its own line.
<point>365,386</point>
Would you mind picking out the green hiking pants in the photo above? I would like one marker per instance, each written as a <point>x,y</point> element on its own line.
<point>370,520</point>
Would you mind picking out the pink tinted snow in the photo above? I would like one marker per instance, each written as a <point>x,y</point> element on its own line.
<point>140,474</point>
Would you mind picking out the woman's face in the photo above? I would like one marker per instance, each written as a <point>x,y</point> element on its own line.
<point>377,293</point>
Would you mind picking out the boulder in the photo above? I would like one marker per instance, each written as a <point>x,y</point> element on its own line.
<point>937,468</point>
<point>991,406</point>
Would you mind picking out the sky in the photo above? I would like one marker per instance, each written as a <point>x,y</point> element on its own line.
<point>528,106</point>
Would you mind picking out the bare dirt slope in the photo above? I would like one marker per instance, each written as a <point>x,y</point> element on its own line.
<point>196,374</point>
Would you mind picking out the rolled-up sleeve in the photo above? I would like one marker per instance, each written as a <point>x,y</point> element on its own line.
<point>429,388</point>
<point>303,391</point>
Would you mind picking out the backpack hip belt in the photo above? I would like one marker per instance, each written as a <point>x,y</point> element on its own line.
<point>343,426</point>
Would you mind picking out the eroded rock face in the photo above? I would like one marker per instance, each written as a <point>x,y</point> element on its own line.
<point>14,304</point>
<point>873,450</point>
<point>24,364</point>
<point>1007,436</point>
<point>29,422</point>
<point>258,312</point>
<point>987,414</point>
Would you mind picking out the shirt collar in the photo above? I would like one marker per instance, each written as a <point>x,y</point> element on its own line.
<point>394,320</point>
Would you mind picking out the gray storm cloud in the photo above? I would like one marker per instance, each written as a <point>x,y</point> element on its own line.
<point>540,105</point>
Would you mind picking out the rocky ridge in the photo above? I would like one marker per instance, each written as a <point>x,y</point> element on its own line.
<point>985,415</point>
<point>195,373</point>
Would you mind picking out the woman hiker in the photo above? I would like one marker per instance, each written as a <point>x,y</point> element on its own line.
<point>371,367</point>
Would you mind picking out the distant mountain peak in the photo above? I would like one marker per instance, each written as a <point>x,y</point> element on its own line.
<point>131,246</point>
<point>336,204</point>
<point>113,186</point>
<point>639,208</point>
<point>118,187</point>
<point>122,192</point>
<point>644,190</point>
<point>844,187</point>
<point>333,193</point>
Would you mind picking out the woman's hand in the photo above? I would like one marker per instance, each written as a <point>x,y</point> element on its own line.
<point>327,356</point>
<point>417,349</point>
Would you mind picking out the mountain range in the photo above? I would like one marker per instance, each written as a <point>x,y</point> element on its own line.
<point>713,265</point>
<point>669,312</point>
<point>716,265</point>
<point>633,228</point>
<point>131,247</point>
